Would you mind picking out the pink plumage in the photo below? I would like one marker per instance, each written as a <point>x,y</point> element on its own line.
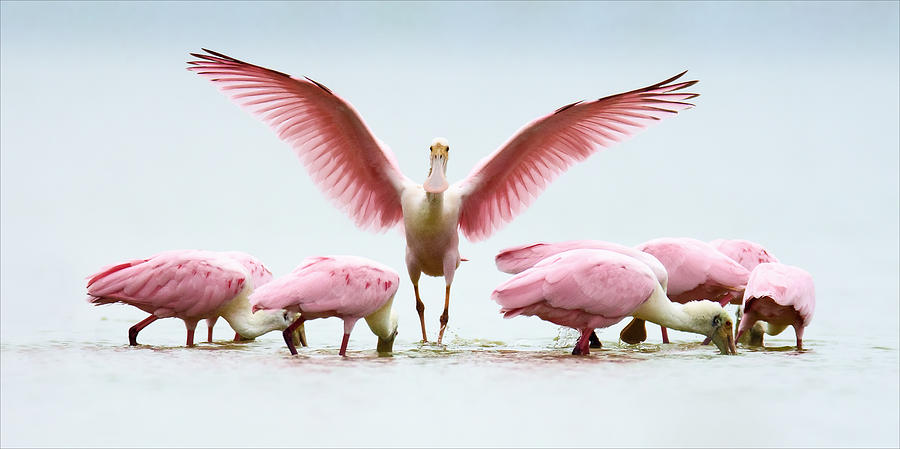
<point>344,158</point>
<point>748,254</point>
<point>582,288</point>
<point>346,287</point>
<point>188,284</point>
<point>781,295</point>
<point>697,270</point>
<point>505,182</point>
<point>361,175</point>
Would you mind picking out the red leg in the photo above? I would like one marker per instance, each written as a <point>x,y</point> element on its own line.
<point>209,334</point>
<point>420,309</point>
<point>288,334</point>
<point>583,346</point>
<point>444,316</point>
<point>343,352</point>
<point>665,334</point>
<point>133,331</point>
<point>190,338</point>
<point>237,337</point>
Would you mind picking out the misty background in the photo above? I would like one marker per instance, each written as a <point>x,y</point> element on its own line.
<point>111,150</point>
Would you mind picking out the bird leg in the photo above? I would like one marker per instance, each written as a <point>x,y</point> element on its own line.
<point>595,342</point>
<point>583,346</point>
<point>210,323</point>
<point>343,352</point>
<point>288,334</point>
<point>446,315</point>
<point>665,334</point>
<point>133,331</point>
<point>301,335</point>
<point>420,307</point>
<point>237,337</point>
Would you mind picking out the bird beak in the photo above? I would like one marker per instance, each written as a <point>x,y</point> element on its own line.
<point>724,340</point>
<point>386,345</point>
<point>437,180</point>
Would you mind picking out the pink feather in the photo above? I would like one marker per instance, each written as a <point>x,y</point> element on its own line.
<point>348,163</point>
<point>549,145</point>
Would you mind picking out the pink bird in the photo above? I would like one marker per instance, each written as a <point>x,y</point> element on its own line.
<point>346,287</point>
<point>587,288</point>
<point>516,259</point>
<point>781,295</point>
<point>749,255</point>
<point>361,175</point>
<point>192,285</point>
<point>696,271</point>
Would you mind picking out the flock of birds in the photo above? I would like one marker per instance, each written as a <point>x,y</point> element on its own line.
<point>678,283</point>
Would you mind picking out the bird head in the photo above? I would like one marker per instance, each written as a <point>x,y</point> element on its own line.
<point>439,152</point>
<point>714,322</point>
<point>386,344</point>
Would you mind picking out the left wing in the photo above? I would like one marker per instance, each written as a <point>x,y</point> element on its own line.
<point>504,183</point>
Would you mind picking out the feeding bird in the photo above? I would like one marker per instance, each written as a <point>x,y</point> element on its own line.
<point>748,254</point>
<point>516,259</point>
<point>588,288</point>
<point>696,272</point>
<point>192,285</point>
<point>346,287</point>
<point>360,173</point>
<point>781,295</point>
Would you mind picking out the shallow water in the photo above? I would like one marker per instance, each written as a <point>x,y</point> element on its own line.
<point>91,389</point>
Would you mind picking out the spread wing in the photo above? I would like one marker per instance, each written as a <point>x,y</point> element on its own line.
<point>506,182</point>
<point>344,158</point>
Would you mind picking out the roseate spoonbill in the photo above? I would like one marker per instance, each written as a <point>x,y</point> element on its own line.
<point>749,255</point>
<point>516,259</point>
<point>696,271</point>
<point>360,173</point>
<point>191,285</point>
<point>781,295</point>
<point>346,287</point>
<point>588,288</point>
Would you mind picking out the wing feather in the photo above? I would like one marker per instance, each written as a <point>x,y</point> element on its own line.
<point>548,146</point>
<point>318,125</point>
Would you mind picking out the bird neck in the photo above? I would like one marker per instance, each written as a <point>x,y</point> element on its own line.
<point>662,311</point>
<point>380,321</point>
<point>249,325</point>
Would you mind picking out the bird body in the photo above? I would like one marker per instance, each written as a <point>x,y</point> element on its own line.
<point>192,285</point>
<point>516,259</point>
<point>781,295</point>
<point>588,288</point>
<point>746,253</point>
<point>347,287</point>
<point>697,270</point>
<point>360,174</point>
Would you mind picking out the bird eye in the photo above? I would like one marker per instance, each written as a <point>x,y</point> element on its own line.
<point>716,321</point>
<point>448,149</point>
